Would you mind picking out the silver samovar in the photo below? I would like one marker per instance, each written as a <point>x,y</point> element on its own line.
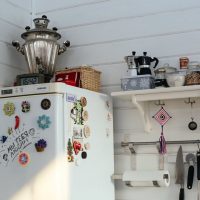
<point>40,50</point>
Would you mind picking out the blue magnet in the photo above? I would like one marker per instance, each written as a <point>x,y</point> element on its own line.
<point>44,121</point>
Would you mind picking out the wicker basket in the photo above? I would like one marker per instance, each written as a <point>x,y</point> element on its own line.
<point>89,78</point>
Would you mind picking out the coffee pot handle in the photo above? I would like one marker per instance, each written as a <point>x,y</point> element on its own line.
<point>155,59</point>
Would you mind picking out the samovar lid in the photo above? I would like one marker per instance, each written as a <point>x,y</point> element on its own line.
<point>41,27</point>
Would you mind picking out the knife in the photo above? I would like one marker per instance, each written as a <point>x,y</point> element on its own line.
<point>198,175</point>
<point>180,172</point>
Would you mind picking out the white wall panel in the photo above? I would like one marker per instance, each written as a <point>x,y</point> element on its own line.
<point>101,33</point>
<point>24,4</point>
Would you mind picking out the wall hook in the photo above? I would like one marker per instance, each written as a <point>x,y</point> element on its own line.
<point>159,103</point>
<point>190,101</point>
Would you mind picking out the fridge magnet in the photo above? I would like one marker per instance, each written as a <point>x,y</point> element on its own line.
<point>109,116</point>
<point>9,108</point>
<point>44,121</point>
<point>25,106</point>
<point>84,155</point>
<point>71,98</point>
<point>45,104</point>
<point>162,117</point>
<point>23,159</point>
<point>86,131</point>
<point>3,139</point>
<point>77,147</point>
<point>87,146</point>
<point>85,115</point>
<point>17,122</point>
<point>10,131</point>
<point>76,113</point>
<point>83,101</point>
<point>40,145</point>
<point>70,151</point>
<point>77,133</point>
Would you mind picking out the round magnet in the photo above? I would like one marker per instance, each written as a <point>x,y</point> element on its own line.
<point>23,159</point>
<point>85,115</point>
<point>84,155</point>
<point>86,131</point>
<point>9,108</point>
<point>45,104</point>
<point>83,101</point>
<point>87,146</point>
<point>25,106</point>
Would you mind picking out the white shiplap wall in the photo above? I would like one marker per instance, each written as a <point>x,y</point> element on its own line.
<point>14,16</point>
<point>102,32</point>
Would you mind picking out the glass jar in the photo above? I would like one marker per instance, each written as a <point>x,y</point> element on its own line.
<point>193,74</point>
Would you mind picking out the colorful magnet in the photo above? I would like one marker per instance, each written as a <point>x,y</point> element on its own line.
<point>70,151</point>
<point>40,145</point>
<point>17,122</point>
<point>77,147</point>
<point>45,104</point>
<point>23,159</point>
<point>76,113</point>
<point>25,106</point>
<point>9,108</point>
<point>86,131</point>
<point>3,139</point>
<point>84,155</point>
<point>87,146</point>
<point>43,121</point>
<point>85,115</point>
<point>83,101</point>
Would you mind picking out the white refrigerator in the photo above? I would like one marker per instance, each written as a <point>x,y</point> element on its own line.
<point>56,143</point>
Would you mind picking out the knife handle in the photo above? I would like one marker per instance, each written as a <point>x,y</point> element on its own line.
<point>190,177</point>
<point>198,165</point>
<point>181,194</point>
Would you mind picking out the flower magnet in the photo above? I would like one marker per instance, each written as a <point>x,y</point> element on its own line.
<point>44,121</point>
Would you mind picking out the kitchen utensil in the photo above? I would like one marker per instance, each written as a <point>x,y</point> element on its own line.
<point>180,172</point>
<point>190,158</point>
<point>132,68</point>
<point>41,47</point>
<point>198,174</point>
<point>192,125</point>
<point>144,62</point>
<point>175,79</point>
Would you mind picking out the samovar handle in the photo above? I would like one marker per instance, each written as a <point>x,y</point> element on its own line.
<point>64,47</point>
<point>16,44</point>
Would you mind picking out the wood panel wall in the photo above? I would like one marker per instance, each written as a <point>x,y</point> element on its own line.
<point>14,16</point>
<point>102,32</point>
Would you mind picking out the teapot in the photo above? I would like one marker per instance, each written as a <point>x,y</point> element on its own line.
<point>143,63</point>
<point>132,68</point>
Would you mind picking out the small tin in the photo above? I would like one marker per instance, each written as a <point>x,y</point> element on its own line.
<point>184,61</point>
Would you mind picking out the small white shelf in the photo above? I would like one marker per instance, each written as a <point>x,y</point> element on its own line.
<point>140,98</point>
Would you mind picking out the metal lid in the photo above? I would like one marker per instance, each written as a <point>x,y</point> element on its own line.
<point>41,27</point>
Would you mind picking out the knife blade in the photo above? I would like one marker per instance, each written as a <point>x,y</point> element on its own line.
<point>180,172</point>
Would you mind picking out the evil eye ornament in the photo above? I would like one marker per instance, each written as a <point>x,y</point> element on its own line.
<point>9,108</point>
<point>25,106</point>
<point>44,121</point>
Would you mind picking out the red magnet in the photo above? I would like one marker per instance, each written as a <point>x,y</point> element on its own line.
<point>17,122</point>
<point>77,147</point>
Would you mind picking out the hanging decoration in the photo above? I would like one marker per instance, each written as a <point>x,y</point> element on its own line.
<point>162,117</point>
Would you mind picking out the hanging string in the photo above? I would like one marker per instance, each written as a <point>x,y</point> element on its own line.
<point>162,142</point>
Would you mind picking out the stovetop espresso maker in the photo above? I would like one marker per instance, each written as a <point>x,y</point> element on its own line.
<point>143,63</point>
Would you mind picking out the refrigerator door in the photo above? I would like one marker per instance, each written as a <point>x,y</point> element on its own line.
<point>31,148</point>
<point>89,142</point>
